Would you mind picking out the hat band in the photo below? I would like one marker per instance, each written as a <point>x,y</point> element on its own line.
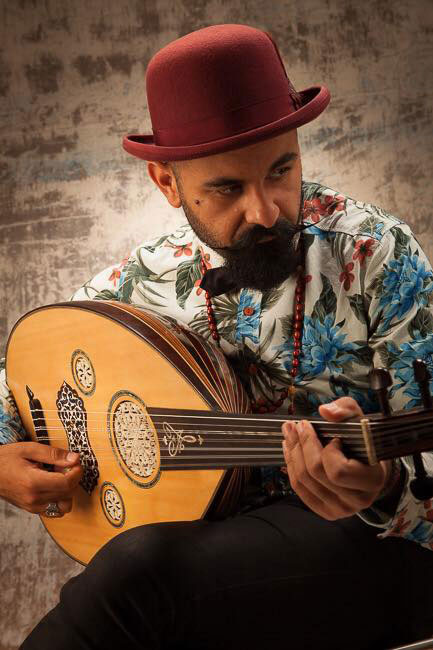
<point>226,125</point>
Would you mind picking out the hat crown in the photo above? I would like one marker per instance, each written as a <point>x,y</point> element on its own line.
<point>217,81</point>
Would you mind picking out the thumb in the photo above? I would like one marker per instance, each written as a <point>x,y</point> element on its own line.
<point>340,409</point>
<point>41,453</point>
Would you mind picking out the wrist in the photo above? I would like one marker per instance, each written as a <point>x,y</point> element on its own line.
<point>391,480</point>
<point>389,497</point>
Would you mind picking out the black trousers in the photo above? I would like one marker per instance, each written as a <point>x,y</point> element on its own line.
<point>277,575</point>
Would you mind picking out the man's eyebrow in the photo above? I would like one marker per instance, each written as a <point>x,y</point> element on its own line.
<point>222,181</point>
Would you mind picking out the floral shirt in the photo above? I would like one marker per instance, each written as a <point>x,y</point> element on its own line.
<point>368,292</point>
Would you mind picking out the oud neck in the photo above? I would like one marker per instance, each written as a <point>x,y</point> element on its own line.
<point>192,439</point>
<point>211,439</point>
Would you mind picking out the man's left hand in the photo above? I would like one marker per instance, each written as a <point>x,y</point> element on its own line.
<point>330,484</point>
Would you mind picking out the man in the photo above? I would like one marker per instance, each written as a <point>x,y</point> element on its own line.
<point>305,290</point>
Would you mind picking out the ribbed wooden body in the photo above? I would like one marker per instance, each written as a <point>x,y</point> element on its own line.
<point>143,362</point>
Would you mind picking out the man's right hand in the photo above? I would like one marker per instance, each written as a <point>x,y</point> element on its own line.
<point>24,482</point>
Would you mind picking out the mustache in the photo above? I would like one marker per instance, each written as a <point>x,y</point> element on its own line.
<point>252,237</point>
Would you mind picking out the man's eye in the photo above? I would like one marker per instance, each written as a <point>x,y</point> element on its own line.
<point>231,189</point>
<point>281,171</point>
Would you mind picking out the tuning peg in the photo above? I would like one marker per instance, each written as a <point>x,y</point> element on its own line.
<point>422,378</point>
<point>422,484</point>
<point>380,381</point>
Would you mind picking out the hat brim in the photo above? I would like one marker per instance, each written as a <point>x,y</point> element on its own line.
<point>314,102</point>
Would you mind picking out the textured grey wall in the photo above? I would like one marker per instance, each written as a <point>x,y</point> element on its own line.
<point>71,201</point>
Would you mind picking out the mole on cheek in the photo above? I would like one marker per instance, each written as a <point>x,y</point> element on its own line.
<point>197,202</point>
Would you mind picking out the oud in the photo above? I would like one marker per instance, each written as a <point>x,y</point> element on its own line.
<point>159,418</point>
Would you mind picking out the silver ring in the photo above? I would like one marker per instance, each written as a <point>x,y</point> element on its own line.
<point>52,510</point>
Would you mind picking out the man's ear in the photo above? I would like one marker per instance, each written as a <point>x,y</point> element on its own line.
<point>164,178</point>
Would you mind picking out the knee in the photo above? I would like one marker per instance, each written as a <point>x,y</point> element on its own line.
<point>141,556</point>
<point>126,570</point>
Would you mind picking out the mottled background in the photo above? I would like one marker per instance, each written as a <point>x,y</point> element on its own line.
<point>71,201</point>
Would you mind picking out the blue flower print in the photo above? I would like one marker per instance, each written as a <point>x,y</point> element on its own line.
<point>321,234</point>
<point>377,231</point>
<point>405,283</point>
<point>248,319</point>
<point>324,348</point>
<point>422,533</point>
<point>417,348</point>
<point>366,398</point>
<point>308,401</point>
<point>11,429</point>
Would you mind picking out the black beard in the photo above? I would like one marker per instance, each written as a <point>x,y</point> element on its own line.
<point>264,265</point>
<point>254,265</point>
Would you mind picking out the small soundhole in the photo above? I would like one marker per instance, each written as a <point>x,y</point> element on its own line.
<point>83,372</point>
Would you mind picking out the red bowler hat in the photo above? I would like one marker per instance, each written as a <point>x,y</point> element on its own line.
<point>220,88</point>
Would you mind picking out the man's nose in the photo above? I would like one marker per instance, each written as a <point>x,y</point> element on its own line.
<point>260,209</point>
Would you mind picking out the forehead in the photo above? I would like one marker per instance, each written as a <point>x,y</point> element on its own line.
<point>254,159</point>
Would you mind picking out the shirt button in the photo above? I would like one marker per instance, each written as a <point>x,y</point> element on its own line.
<point>248,311</point>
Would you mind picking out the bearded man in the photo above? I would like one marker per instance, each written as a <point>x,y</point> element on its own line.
<point>305,290</point>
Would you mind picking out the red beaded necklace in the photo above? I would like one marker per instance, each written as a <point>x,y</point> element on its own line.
<point>210,313</point>
<point>260,406</point>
